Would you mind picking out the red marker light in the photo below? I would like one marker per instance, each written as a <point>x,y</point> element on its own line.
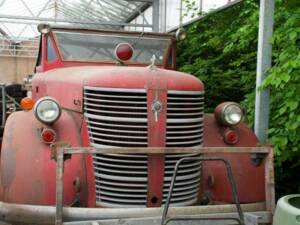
<point>124,51</point>
<point>48,135</point>
<point>231,137</point>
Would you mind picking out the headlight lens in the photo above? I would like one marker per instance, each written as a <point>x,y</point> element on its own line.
<point>233,114</point>
<point>229,113</point>
<point>47,110</point>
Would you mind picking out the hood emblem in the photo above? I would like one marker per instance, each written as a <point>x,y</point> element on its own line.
<point>157,108</point>
<point>152,66</point>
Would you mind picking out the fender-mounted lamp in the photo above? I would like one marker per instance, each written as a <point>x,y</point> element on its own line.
<point>48,135</point>
<point>229,114</point>
<point>47,110</point>
<point>231,137</point>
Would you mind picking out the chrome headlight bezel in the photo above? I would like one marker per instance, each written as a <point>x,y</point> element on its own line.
<point>41,106</point>
<point>229,113</point>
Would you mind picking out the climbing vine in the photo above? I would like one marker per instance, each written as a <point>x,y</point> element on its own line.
<point>221,51</point>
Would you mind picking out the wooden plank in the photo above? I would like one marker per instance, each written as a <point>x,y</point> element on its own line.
<point>200,150</point>
<point>269,182</point>
<point>264,218</point>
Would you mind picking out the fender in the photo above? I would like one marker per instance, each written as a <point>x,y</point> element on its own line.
<point>27,171</point>
<point>250,179</point>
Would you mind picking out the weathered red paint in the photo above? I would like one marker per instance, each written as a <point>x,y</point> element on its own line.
<point>28,174</point>
<point>156,91</point>
<point>249,178</point>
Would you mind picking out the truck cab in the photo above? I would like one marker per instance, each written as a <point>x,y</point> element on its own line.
<point>115,89</point>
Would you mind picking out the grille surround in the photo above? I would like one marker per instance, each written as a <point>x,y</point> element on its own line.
<point>117,117</point>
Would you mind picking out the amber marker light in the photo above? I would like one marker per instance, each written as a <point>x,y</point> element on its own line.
<point>27,103</point>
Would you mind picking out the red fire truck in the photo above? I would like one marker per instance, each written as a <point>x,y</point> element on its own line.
<point>112,104</point>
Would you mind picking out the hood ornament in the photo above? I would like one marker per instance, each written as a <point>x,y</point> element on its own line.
<point>156,107</point>
<point>152,66</point>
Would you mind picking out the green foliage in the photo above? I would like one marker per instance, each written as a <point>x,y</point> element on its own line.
<point>221,51</point>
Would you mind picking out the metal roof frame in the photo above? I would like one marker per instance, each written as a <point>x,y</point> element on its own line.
<point>98,14</point>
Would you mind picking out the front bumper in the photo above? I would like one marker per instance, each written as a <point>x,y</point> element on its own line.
<point>37,214</point>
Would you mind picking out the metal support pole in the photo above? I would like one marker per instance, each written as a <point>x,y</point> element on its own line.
<point>200,6</point>
<point>155,15</point>
<point>264,59</point>
<point>3,100</point>
<point>59,186</point>
<point>163,5</point>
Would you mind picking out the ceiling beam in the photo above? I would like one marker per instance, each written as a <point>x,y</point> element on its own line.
<point>43,19</point>
<point>138,12</point>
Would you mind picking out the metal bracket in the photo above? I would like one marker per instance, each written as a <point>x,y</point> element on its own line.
<point>257,158</point>
<point>240,220</point>
<point>251,219</point>
<point>56,146</point>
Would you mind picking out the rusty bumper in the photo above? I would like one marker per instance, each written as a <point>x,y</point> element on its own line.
<point>36,214</point>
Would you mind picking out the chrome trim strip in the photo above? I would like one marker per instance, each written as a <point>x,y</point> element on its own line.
<point>122,119</point>
<point>127,90</point>
<point>185,92</point>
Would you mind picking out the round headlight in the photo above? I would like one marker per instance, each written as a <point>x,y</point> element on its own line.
<point>47,110</point>
<point>229,113</point>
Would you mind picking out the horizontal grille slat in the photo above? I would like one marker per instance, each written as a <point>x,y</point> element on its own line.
<point>114,96</point>
<point>118,136</point>
<point>120,119</point>
<point>114,101</point>
<point>123,195</point>
<point>132,185</point>
<point>125,201</point>
<point>135,126</point>
<point>183,186</point>
<point>117,107</point>
<point>119,141</point>
<point>120,171</point>
<point>135,190</point>
<point>120,178</point>
<point>113,113</point>
<point>101,163</point>
<point>114,131</point>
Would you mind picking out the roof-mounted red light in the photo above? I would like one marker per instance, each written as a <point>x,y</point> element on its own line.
<point>124,51</point>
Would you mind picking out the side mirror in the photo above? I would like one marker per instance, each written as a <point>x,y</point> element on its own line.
<point>44,28</point>
<point>180,34</point>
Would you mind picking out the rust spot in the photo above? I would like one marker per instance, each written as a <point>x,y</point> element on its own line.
<point>8,160</point>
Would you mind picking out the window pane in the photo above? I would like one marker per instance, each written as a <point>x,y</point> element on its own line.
<point>51,55</point>
<point>100,47</point>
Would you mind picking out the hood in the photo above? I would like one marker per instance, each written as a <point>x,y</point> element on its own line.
<point>66,84</point>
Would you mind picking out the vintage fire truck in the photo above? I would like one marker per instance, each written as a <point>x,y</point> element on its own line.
<point>109,120</point>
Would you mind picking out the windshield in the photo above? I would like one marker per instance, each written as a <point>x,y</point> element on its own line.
<point>101,47</point>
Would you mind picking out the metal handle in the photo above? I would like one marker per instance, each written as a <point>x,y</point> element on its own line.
<point>164,221</point>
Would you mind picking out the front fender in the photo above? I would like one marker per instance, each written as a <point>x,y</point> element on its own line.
<point>27,171</point>
<point>250,179</point>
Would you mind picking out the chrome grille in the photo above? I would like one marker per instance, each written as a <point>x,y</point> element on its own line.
<point>184,129</point>
<point>185,118</point>
<point>121,180</point>
<point>118,118</point>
